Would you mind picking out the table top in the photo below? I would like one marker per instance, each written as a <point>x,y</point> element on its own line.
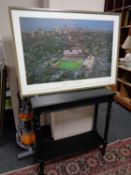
<point>83,97</point>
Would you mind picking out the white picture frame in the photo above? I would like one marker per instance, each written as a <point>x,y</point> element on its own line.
<point>59,51</point>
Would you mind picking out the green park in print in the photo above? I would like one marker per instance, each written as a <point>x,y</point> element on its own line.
<point>62,50</point>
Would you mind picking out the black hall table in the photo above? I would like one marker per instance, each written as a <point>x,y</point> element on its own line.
<point>49,149</point>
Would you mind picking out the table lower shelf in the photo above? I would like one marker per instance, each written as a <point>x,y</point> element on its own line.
<point>71,145</point>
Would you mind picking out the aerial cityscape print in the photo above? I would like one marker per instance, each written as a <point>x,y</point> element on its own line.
<point>66,49</point>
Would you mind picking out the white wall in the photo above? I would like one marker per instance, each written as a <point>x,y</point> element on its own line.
<point>5,31</point>
<point>71,122</point>
<point>88,5</point>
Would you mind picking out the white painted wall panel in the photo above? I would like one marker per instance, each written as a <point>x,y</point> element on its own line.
<point>71,122</point>
<point>87,5</point>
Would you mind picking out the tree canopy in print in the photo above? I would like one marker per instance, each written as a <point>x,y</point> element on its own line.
<point>66,49</point>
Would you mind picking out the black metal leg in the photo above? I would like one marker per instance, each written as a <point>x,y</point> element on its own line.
<point>95,117</point>
<point>41,165</point>
<point>107,123</point>
<point>39,143</point>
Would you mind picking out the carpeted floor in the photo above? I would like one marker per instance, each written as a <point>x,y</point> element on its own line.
<point>120,128</point>
<point>117,161</point>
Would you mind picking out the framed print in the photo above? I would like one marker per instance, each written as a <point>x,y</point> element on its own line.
<point>64,50</point>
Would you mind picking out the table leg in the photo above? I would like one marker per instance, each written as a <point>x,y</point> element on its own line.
<point>95,118</point>
<point>39,143</point>
<point>107,124</point>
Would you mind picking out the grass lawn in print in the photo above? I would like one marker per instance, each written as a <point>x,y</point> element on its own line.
<point>70,65</point>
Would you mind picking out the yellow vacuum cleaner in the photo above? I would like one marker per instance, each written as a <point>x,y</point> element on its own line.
<point>25,136</point>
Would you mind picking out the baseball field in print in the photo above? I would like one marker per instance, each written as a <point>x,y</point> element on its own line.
<point>70,65</point>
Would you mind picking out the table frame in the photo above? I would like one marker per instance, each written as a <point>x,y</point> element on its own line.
<point>47,150</point>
